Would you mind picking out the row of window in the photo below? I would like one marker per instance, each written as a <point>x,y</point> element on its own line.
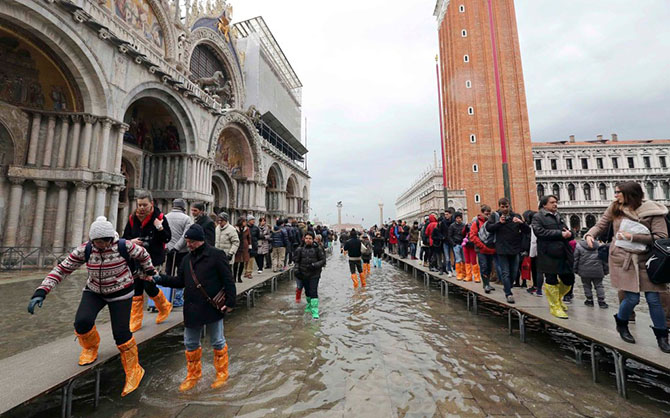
<point>600,163</point>
<point>602,191</point>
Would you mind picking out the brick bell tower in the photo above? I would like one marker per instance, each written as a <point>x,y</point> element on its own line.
<point>486,132</point>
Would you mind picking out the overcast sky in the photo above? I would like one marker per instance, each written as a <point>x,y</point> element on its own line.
<point>368,70</point>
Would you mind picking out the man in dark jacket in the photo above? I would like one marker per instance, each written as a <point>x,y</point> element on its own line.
<point>201,218</point>
<point>147,227</point>
<point>455,238</point>
<point>403,239</point>
<point>508,228</point>
<point>414,233</point>
<point>444,222</point>
<point>208,267</point>
<point>279,243</point>
<point>352,248</point>
<point>554,255</point>
<point>309,260</point>
<point>255,234</point>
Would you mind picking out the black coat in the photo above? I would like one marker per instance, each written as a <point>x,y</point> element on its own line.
<point>508,234</point>
<point>212,270</point>
<point>403,233</point>
<point>146,230</point>
<point>309,260</point>
<point>378,244</point>
<point>255,233</point>
<point>209,227</point>
<point>554,254</point>
<point>455,234</point>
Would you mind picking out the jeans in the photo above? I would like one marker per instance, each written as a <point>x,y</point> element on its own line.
<point>178,298</point>
<point>436,257</point>
<point>631,299</point>
<point>119,312</point>
<point>458,254</point>
<point>485,266</point>
<point>412,249</point>
<point>215,331</point>
<point>402,248</point>
<point>447,248</point>
<point>509,266</point>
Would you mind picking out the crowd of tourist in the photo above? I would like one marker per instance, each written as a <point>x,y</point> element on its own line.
<point>537,251</point>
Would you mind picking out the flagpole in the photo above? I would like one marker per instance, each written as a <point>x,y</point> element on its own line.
<point>444,163</point>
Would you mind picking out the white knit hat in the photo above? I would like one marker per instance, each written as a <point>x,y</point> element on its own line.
<point>101,228</point>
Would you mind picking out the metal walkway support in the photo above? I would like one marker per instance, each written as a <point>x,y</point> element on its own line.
<point>473,296</point>
<point>522,323</point>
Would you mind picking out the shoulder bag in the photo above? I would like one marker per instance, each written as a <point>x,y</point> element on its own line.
<point>219,301</point>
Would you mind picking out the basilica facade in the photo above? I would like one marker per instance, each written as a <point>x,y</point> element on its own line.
<point>102,98</point>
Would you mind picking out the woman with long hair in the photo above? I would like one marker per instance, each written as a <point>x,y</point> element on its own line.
<point>628,268</point>
<point>242,254</point>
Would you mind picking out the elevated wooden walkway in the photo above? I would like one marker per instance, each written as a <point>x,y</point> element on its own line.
<point>591,324</point>
<point>45,368</point>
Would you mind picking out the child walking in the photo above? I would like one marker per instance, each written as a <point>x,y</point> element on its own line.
<point>592,270</point>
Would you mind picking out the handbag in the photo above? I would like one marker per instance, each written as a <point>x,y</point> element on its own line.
<point>219,301</point>
<point>658,264</point>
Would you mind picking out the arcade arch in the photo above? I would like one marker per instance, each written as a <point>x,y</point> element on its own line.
<point>274,191</point>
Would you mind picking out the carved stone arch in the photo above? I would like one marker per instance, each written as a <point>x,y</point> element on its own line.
<point>15,122</point>
<point>163,14</point>
<point>277,171</point>
<point>173,101</point>
<point>66,44</point>
<point>207,36</point>
<point>241,122</point>
<point>224,191</point>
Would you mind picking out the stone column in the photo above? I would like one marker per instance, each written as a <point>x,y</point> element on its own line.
<point>104,147</point>
<point>38,215</point>
<point>62,145</point>
<point>89,212</point>
<point>124,214</point>
<point>61,216</point>
<point>74,146</point>
<point>49,144</point>
<point>184,173</point>
<point>15,197</point>
<point>119,148</point>
<point>78,215</point>
<point>113,211</point>
<point>87,136</point>
<point>34,139</point>
<point>100,199</point>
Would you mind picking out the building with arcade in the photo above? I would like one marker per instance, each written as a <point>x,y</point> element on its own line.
<point>102,98</point>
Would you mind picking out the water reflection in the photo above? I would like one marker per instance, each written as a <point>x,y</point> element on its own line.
<point>391,349</point>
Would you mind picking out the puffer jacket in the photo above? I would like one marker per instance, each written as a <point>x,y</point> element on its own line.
<point>310,260</point>
<point>279,237</point>
<point>432,224</point>
<point>227,240</point>
<point>587,263</point>
<point>108,272</point>
<point>179,224</point>
<point>628,271</point>
<point>455,234</point>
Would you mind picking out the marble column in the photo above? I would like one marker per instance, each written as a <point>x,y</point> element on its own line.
<point>38,214</point>
<point>62,145</point>
<point>184,173</point>
<point>78,215</point>
<point>100,199</point>
<point>61,216</point>
<point>49,144</point>
<point>90,211</point>
<point>94,156</point>
<point>119,148</point>
<point>86,138</point>
<point>104,147</point>
<point>74,145</point>
<point>124,214</point>
<point>34,138</point>
<point>12,224</point>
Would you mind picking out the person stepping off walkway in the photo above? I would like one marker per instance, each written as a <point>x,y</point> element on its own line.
<point>352,248</point>
<point>310,258</point>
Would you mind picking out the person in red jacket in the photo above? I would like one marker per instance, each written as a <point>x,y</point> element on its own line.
<point>432,224</point>
<point>484,252</point>
<point>393,238</point>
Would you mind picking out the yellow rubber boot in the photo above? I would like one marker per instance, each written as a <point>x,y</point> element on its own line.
<point>221,366</point>
<point>131,365</point>
<point>89,343</point>
<point>362,275</point>
<point>354,278</point>
<point>193,369</point>
<point>164,307</point>
<point>563,290</point>
<point>468,273</point>
<point>476,273</point>
<point>553,296</point>
<point>136,313</point>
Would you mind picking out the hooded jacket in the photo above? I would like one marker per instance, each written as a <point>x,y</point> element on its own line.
<point>309,259</point>
<point>587,263</point>
<point>480,247</point>
<point>624,273</point>
<point>279,237</point>
<point>432,224</point>
<point>455,234</point>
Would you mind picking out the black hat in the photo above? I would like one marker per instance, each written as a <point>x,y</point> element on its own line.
<point>195,233</point>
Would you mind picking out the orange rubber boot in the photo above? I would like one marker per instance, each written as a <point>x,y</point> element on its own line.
<point>89,343</point>
<point>460,271</point>
<point>354,278</point>
<point>131,365</point>
<point>164,307</point>
<point>362,279</point>
<point>193,369</point>
<point>221,366</point>
<point>476,273</point>
<point>468,273</point>
<point>136,313</point>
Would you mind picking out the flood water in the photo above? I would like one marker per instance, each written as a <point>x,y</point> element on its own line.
<point>392,349</point>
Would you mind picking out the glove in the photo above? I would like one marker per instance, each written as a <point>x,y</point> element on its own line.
<point>158,279</point>
<point>37,300</point>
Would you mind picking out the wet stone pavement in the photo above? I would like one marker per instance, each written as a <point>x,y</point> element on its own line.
<point>393,349</point>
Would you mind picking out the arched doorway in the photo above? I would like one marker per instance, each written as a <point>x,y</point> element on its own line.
<point>273,190</point>
<point>153,127</point>
<point>572,195</point>
<point>292,197</point>
<point>590,221</point>
<point>575,223</point>
<point>556,191</point>
<point>540,191</point>
<point>223,191</point>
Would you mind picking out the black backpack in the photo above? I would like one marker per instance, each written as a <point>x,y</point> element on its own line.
<point>123,250</point>
<point>658,264</point>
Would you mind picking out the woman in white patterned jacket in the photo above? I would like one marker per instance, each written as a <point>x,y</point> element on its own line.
<point>109,282</point>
